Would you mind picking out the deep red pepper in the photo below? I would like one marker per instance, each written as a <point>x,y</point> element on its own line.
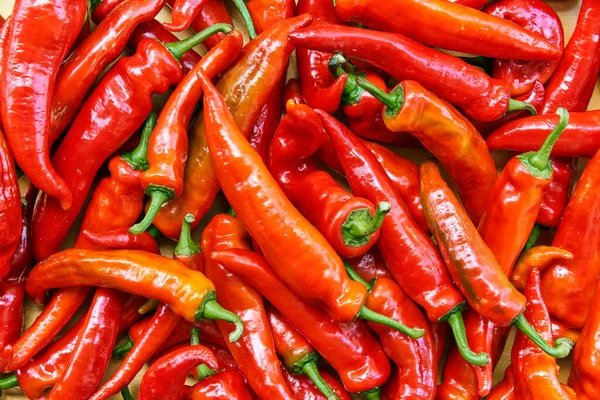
<point>213,12</point>
<point>458,381</point>
<point>504,390</point>
<point>350,348</point>
<point>27,85</point>
<point>255,351</point>
<point>350,224</point>
<point>267,122</point>
<point>304,389</point>
<point>221,386</point>
<point>408,252</point>
<point>370,265</point>
<point>556,196</point>
<point>292,92</point>
<point>122,239</point>
<point>477,4</point>
<point>539,18</point>
<point>318,87</point>
<point>450,26</point>
<point>480,96</point>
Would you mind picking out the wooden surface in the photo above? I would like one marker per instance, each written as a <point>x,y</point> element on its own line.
<point>568,11</point>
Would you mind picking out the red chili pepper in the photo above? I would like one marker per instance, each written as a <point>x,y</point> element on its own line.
<point>84,32</point>
<point>409,253</point>
<point>266,13</point>
<point>477,4</point>
<point>351,349</point>
<point>267,122</point>
<point>304,389</point>
<point>568,286</point>
<point>370,265</point>
<point>246,85</point>
<point>439,23</point>
<point>556,196</point>
<point>505,390</point>
<point>213,12</point>
<point>458,381</point>
<point>122,239</point>
<point>481,279</point>
<point>168,148</point>
<point>255,351</point>
<point>539,257</point>
<point>415,358</point>
<point>319,89</point>
<point>5,30</point>
<point>299,357</point>
<point>78,74</point>
<point>221,386</point>
<point>27,85</point>
<point>166,377</point>
<point>92,351</point>
<point>480,96</point>
<point>535,372</point>
<point>350,224</point>
<point>584,378</point>
<point>292,92</point>
<point>536,17</point>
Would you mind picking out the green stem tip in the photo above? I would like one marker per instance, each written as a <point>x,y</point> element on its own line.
<point>126,393</point>
<point>533,237</point>
<point>138,157</point>
<point>210,309</point>
<point>149,305</point>
<point>457,324</point>
<point>159,195</point>
<point>186,246</point>
<point>202,370</point>
<point>9,382</point>
<point>178,49</point>
<point>370,315</point>
<point>123,349</point>
<point>241,6</point>
<point>360,224</point>
<point>562,346</point>
<point>517,105</point>
<point>311,370</point>
<point>373,394</point>
<point>356,277</point>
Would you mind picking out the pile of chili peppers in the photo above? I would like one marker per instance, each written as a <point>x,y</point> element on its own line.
<point>312,259</point>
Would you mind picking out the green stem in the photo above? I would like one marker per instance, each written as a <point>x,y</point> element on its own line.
<point>241,6</point>
<point>360,225</point>
<point>356,277</point>
<point>203,370</point>
<point>517,105</point>
<point>195,336</point>
<point>153,231</point>
<point>370,315</point>
<point>533,237</point>
<point>138,157</point>
<point>540,158</point>
<point>186,247</point>
<point>210,309</point>
<point>149,305</point>
<point>231,212</point>
<point>126,393</point>
<point>562,346</point>
<point>123,349</point>
<point>9,382</point>
<point>457,324</point>
<point>311,370</point>
<point>178,49</point>
<point>373,394</point>
<point>159,195</point>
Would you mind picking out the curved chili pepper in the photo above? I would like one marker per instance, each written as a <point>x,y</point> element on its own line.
<point>168,146</point>
<point>539,257</point>
<point>351,348</point>
<point>318,87</point>
<point>266,13</point>
<point>184,12</point>
<point>299,357</point>
<point>292,92</point>
<point>560,329</point>
<point>556,196</point>
<point>267,122</point>
<point>536,373</point>
<point>187,251</point>
<point>458,381</point>
<point>27,85</point>
<point>122,239</point>
<point>417,365</point>
<point>304,389</point>
<point>481,279</point>
<point>255,351</point>
<point>221,386</point>
<point>579,234</point>
<point>92,351</point>
<point>303,257</point>
<point>350,224</point>
<point>409,253</point>
<point>536,17</point>
<point>370,265</point>
<point>246,85</point>
<point>439,23</point>
<point>585,372</point>
<point>480,96</point>
<point>505,390</point>
<point>84,66</point>
<point>11,224</point>
<point>213,12</point>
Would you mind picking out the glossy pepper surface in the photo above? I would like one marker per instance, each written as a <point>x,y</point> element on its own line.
<point>122,239</point>
<point>480,96</point>
<point>304,389</point>
<point>221,386</point>
<point>351,349</point>
<point>10,202</point>
<point>255,351</point>
<point>539,257</point>
<point>504,390</point>
<point>246,86</point>
<point>350,224</point>
<point>568,286</point>
<point>450,26</point>
<point>27,85</point>
<point>213,12</point>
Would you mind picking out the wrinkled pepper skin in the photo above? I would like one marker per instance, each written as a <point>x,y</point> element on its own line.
<point>255,351</point>
<point>98,131</point>
<point>483,98</point>
<point>439,23</point>
<point>246,86</point>
<point>224,385</point>
<point>556,196</point>
<point>585,372</point>
<point>539,18</point>
<point>11,224</point>
<point>536,373</point>
<point>27,85</point>
<point>459,382</point>
<point>304,389</point>
<point>568,286</point>
<point>319,89</point>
